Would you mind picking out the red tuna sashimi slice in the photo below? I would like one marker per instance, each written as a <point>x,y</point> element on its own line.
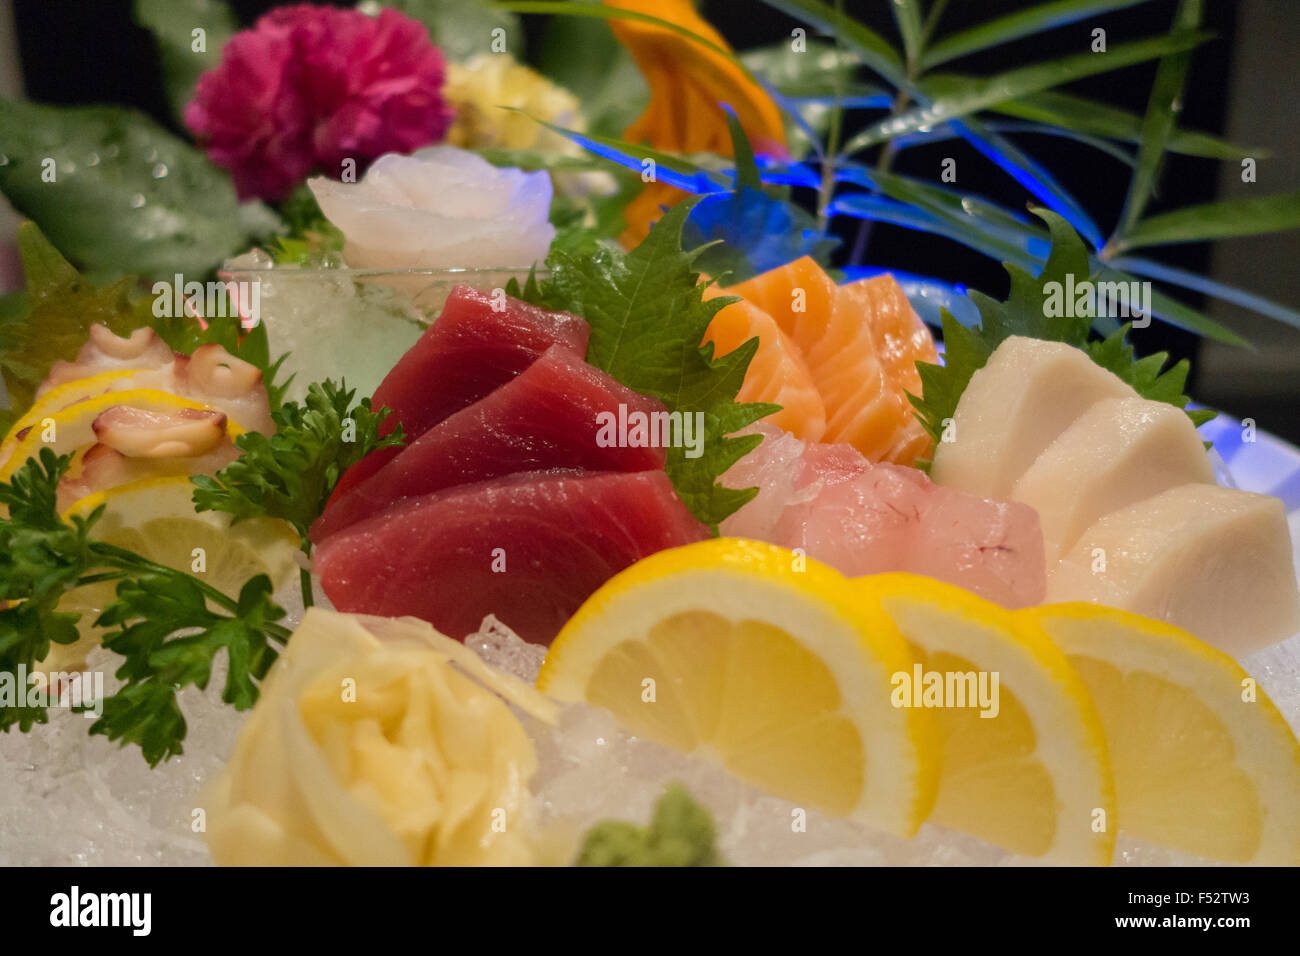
<point>550,416</point>
<point>529,548</point>
<point>468,352</point>
<point>866,518</point>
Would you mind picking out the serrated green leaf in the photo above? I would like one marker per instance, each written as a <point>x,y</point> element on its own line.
<point>1027,312</point>
<point>59,308</point>
<point>648,316</point>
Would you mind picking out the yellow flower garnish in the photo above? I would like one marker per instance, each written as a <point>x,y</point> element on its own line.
<point>478,88</point>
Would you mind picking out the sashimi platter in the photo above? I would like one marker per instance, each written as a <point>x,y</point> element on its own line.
<point>519,491</point>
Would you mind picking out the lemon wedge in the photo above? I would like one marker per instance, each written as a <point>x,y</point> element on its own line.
<point>1023,753</point>
<point>155,518</point>
<point>71,428</point>
<point>763,661</point>
<point>1204,762</point>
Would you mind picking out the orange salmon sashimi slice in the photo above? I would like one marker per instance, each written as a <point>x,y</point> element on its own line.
<point>860,342</point>
<point>777,372</point>
<point>884,428</point>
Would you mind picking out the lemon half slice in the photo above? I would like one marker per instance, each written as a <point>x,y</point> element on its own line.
<point>71,428</point>
<point>1023,752</point>
<point>155,518</point>
<point>1204,762</point>
<point>727,649</point>
<point>60,397</point>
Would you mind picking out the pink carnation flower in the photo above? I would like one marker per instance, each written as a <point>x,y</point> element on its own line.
<point>308,87</point>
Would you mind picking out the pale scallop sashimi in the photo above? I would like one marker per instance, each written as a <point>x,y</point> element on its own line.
<point>777,372</point>
<point>865,518</point>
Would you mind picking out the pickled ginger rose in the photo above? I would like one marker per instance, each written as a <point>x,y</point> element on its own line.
<point>440,208</point>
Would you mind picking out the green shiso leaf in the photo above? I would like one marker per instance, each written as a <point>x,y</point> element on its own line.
<point>648,317</point>
<point>1025,312</point>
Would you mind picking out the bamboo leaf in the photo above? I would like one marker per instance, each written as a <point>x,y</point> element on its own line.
<point>1179,314</point>
<point>1217,290</point>
<point>907,14</point>
<point>1101,119</point>
<point>985,93</point>
<point>885,209</point>
<point>1046,16</point>
<point>949,131</point>
<point>1216,220</point>
<point>1162,116</point>
<point>1031,174</point>
<point>680,171</point>
<point>874,49</point>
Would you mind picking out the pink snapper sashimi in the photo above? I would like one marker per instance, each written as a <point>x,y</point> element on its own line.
<point>549,416</point>
<point>529,548</point>
<point>866,518</point>
<point>479,342</point>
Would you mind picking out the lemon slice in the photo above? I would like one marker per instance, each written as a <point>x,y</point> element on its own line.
<point>59,398</point>
<point>1204,763</point>
<point>70,428</point>
<point>727,650</point>
<point>155,518</point>
<point>1033,775</point>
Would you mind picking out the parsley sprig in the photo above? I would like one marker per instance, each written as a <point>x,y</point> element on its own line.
<point>167,625</point>
<point>290,475</point>
<point>967,350</point>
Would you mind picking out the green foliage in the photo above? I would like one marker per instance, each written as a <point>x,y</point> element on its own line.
<point>681,833</point>
<point>1026,313</point>
<point>128,197</point>
<point>167,625</point>
<point>52,320</point>
<point>290,475</point>
<point>173,23</point>
<point>648,317</point>
<point>463,28</point>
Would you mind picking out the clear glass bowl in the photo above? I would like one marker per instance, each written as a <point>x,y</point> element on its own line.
<point>349,323</point>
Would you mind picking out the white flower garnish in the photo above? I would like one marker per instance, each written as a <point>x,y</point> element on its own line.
<point>440,208</point>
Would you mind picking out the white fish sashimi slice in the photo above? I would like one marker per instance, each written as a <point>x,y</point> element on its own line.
<point>1014,407</point>
<point>864,518</point>
<point>1118,452</point>
<point>1214,561</point>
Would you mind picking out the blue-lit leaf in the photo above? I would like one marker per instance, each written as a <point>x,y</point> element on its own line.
<point>1031,174</point>
<point>1218,290</point>
<point>756,232</point>
<point>1177,313</point>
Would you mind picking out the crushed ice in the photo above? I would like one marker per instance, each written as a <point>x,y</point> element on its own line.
<point>68,798</point>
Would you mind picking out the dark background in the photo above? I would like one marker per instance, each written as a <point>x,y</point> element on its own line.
<point>76,51</point>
